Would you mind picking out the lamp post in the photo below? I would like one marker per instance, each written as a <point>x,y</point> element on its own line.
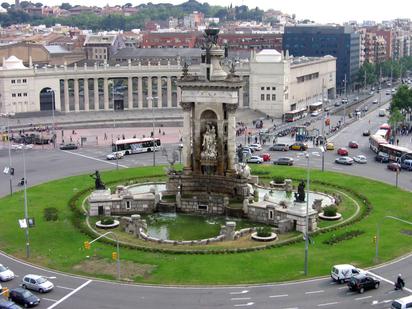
<point>114,126</point>
<point>11,170</point>
<point>323,127</point>
<point>153,129</point>
<point>26,212</point>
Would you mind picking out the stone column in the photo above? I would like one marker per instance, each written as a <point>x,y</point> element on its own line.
<point>96,93</point>
<point>139,92</point>
<point>186,153</point>
<point>231,137</point>
<point>66,96</point>
<point>130,92</point>
<point>179,95</point>
<point>86,93</point>
<point>169,92</point>
<point>159,92</point>
<point>76,95</point>
<point>149,92</point>
<point>240,94</point>
<point>106,93</point>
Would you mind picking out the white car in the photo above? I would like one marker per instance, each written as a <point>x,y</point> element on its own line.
<point>343,272</point>
<point>315,114</point>
<point>360,159</point>
<point>344,160</point>
<point>115,155</point>
<point>375,101</point>
<point>402,303</point>
<point>255,159</point>
<point>5,273</point>
<point>37,283</point>
<point>255,147</point>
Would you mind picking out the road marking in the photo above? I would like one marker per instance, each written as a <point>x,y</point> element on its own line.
<point>70,294</point>
<point>245,305</point>
<point>328,304</point>
<point>291,308</point>
<point>342,287</point>
<point>63,287</point>
<point>96,159</point>
<point>240,298</point>
<point>365,297</point>
<point>388,281</point>
<point>281,295</point>
<point>49,299</point>
<point>241,292</point>
<point>315,292</point>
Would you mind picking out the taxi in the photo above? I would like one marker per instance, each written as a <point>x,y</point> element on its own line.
<point>330,146</point>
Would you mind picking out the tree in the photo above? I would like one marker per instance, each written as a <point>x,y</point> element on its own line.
<point>25,4</point>
<point>38,5</point>
<point>5,5</point>
<point>402,100</point>
<point>65,6</point>
<point>395,118</point>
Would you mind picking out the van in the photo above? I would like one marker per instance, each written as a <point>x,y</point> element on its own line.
<point>402,303</point>
<point>382,113</point>
<point>406,165</point>
<point>343,272</point>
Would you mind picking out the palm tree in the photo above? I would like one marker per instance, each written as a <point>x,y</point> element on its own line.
<point>395,118</point>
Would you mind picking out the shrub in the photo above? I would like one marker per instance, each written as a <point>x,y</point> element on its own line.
<point>345,236</point>
<point>51,214</point>
<point>107,221</point>
<point>330,211</point>
<point>279,179</point>
<point>265,231</point>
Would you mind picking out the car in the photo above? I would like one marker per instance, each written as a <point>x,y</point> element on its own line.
<point>382,157</point>
<point>357,110</point>
<point>327,108</point>
<point>365,108</point>
<point>362,282</point>
<point>393,166</point>
<point>342,151</point>
<point>23,297</point>
<point>279,147</point>
<point>283,161</point>
<point>382,113</point>
<point>344,160</point>
<point>353,144</point>
<point>255,147</point>
<point>330,146</point>
<point>356,99</point>
<point>5,273</point>
<point>393,90</point>
<point>255,159</point>
<point>37,283</point>
<point>361,159</point>
<point>251,150</point>
<point>315,114</point>
<point>265,156</point>
<point>115,155</point>
<point>337,103</point>
<point>371,93</point>
<point>343,272</point>
<point>388,92</point>
<point>5,304</point>
<point>344,101</point>
<point>69,146</point>
<point>366,133</point>
<point>298,146</point>
<point>402,303</point>
<point>406,165</point>
<point>375,101</point>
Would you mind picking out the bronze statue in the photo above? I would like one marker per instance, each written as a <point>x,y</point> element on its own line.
<point>99,185</point>
<point>300,195</point>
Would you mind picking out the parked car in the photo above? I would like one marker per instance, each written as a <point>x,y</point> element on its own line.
<point>402,303</point>
<point>279,147</point>
<point>298,146</point>
<point>343,272</point>
<point>361,159</point>
<point>255,159</point>
<point>283,161</point>
<point>382,157</point>
<point>375,101</point>
<point>251,150</point>
<point>68,146</point>
<point>115,155</point>
<point>255,147</point>
<point>315,114</point>
<point>344,160</point>
<point>363,282</point>
<point>393,166</point>
<point>5,304</point>
<point>266,157</point>
<point>342,151</point>
<point>24,297</point>
<point>5,273</point>
<point>37,283</point>
<point>366,133</point>
<point>406,165</point>
<point>330,146</point>
<point>353,144</point>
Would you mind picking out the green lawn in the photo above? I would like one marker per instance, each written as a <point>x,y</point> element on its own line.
<point>58,244</point>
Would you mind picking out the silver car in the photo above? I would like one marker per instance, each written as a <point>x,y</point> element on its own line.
<point>279,147</point>
<point>37,283</point>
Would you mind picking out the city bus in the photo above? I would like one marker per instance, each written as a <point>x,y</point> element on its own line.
<point>376,142</point>
<point>295,115</point>
<point>315,107</point>
<point>394,152</point>
<point>136,145</point>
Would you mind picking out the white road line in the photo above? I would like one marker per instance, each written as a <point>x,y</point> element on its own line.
<point>245,305</point>
<point>280,295</point>
<point>49,299</point>
<point>315,292</point>
<point>388,281</point>
<point>63,287</point>
<point>70,294</point>
<point>240,292</point>
<point>328,304</point>
<point>365,297</point>
<point>240,298</point>
<point>92,158</point>
<point>291,308</point>
<point>343,287</point>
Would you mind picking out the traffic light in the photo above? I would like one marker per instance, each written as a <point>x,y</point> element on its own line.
<point>374,239</point>
<point>86,245</point>
<point>114,256</point>
<point>12,171</point>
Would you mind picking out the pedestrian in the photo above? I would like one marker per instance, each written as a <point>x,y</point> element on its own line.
<point>105,136</point>
<point>397,142</point>
<point>123,136</point>
<point>71,139</point>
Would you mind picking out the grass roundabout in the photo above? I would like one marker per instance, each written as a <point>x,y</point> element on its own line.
<point>58,244</point>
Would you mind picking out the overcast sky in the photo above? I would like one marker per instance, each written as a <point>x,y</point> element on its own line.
<point>317,10</point>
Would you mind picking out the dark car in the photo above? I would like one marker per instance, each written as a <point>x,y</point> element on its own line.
<point>382,157</point>
<point>24,297</point>
<point>363,282</point>
<point>366,133</point>
<point>68,147</point>
<point>283,161</point>
<point>298,146</point>
<point>393,166</point>
<point>5,304</point>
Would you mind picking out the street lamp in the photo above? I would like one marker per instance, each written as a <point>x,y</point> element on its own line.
<point>26,212</point>
<point>150,99</point>
<point>10,169</point>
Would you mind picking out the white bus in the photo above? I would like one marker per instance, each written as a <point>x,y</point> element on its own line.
<point>315,107</point>
<point>136,145</point>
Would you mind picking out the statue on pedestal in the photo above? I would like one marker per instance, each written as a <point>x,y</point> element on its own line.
<point>300,195</point>
<point>209,151</point>
<point>99,185</point>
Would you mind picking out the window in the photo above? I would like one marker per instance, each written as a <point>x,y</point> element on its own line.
<point>262,97</point>
<point>13,81</point>
<point>19,94</point>
<point>273,97</point>
<point>24,80</point>
<point>268,97</point>
<point>262,88</point>
<point>19,81</point>
<point>270,214</point>
<point>13,95</point>
<point>127,204</point>
<point>267,88</point>
<point>25,94</point>
<point>273,88</point>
